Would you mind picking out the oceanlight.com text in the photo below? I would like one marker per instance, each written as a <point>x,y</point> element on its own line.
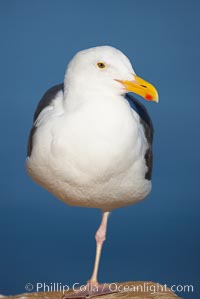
<point>113,287</point>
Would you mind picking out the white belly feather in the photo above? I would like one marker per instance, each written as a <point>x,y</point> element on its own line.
<point>89,158</point>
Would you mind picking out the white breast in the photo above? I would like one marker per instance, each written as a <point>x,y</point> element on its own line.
<point>93,156</point>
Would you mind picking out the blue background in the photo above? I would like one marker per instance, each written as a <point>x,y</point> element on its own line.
<point>43,240</point>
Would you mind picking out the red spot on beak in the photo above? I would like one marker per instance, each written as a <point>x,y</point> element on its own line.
<point>148,97</point>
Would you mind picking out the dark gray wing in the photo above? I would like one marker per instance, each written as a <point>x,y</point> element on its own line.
<point>146,121</point>
<point>46,100</point>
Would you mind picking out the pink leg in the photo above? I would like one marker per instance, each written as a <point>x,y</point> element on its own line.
<point>93,288</point>
<point>100,238</point>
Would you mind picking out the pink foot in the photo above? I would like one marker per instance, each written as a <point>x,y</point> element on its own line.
<point>89,291</point>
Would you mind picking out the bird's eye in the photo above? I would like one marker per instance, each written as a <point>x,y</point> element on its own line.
<point>101,65</point>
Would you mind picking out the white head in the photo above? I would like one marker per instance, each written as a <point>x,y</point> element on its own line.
<point>105,70</point>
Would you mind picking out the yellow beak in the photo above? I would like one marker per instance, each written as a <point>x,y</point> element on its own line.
<point>141,87</point>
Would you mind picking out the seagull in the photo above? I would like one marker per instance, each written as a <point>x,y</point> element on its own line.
<point>91,141</point>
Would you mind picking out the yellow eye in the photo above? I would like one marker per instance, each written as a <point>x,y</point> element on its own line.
<point>101,65</point>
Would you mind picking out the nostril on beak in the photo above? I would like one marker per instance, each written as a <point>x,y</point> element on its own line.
<point>143,86</point>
